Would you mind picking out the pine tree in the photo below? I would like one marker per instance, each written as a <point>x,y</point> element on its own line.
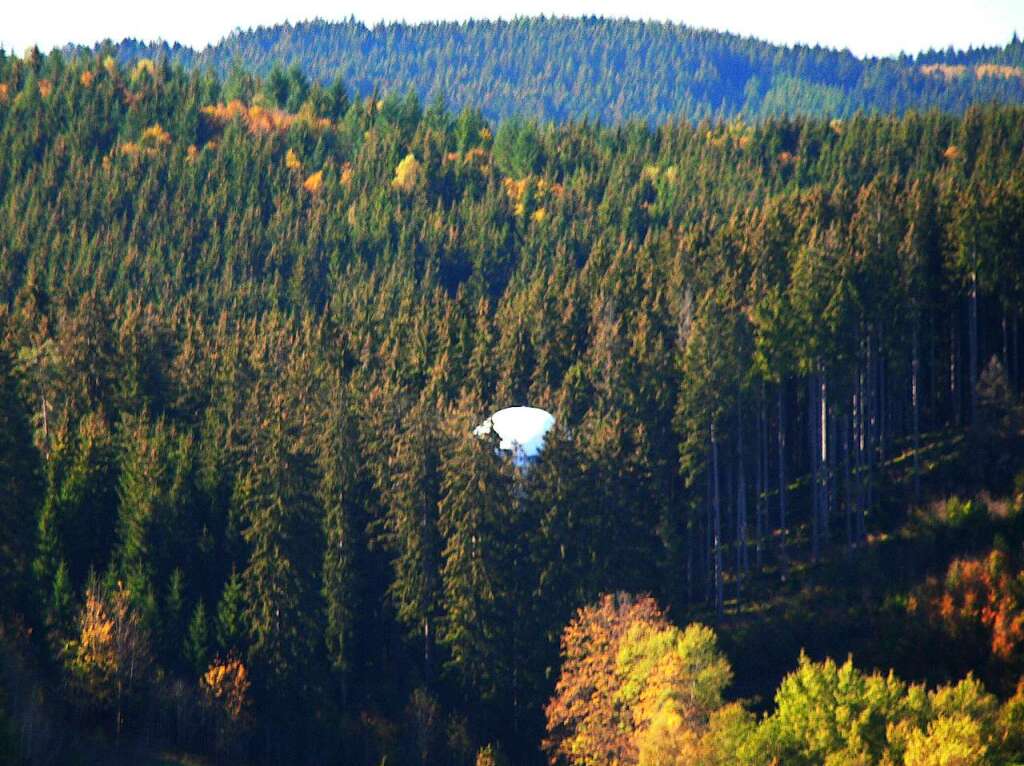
<point>20,486</point>
<point>231,630</point>
<point>338,461</point>
<point>476,502</point>
<point>277,501</point>
<point>196,647</point>
<point>411,495</point>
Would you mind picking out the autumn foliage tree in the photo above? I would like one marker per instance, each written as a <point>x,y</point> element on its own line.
<point>633,688</point>
<point>110,659</point>
<point>979,594</point>
<point>585,724</point>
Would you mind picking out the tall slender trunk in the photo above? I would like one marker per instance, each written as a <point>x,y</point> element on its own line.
<point>1016,350</point>
<point>426,650</point>
<point>954,389</point>
<point>762,480</point>
<point>813,445</point>
<point>848,431</point>
<point>828,446</point>
<point>719,601</point>
<point>1006,344</point>
<point>708,558</point>
<point>782,473</point>
<point>916,404</point>
<point>742,562</point>
<point>973,340</point>
<point>870,427</point>
<point>880,400</point>
<point>863,446</point>
<point>689,557</point>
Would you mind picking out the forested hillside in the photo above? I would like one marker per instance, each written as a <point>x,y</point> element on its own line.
<point>247,329</point>
<point>610,70</point>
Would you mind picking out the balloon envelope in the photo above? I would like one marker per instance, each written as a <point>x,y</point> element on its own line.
<point>521,429</point>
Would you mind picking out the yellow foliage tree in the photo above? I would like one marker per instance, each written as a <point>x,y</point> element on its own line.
<point>143,67</point>
<point>292,161</point>
<point>949,741</point>
<point>111,657</point>
<point>314,182</point>
<point>408,174</point>
<point>669,667</point>
<point>154,136</point>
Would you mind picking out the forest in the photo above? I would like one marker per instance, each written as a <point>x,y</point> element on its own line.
<point>248,326</point>
<point>607,70</point>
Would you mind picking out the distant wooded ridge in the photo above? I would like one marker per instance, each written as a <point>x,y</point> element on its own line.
<point>612,70</point>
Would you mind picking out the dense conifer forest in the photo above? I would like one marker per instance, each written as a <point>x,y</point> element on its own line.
<point>247,328</point>
<point>610,70</point>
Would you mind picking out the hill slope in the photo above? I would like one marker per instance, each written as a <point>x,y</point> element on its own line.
<point>614,70</point>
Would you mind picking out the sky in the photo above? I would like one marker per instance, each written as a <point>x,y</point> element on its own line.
<point>866,27</point>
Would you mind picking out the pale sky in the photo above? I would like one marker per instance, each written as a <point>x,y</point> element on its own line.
<point>867,27</point>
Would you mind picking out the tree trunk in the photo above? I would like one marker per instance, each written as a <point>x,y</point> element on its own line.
<point>689,558</point>
<point>708,558</point>
<point>762,481</point>
<point>741,500</point>
<point>863,447</point>
<point>848,431</point>
<point>871,429</point>
<point>973,340</point>
<point>828,445</point>
<point>781,433</point>
<point>813,444</point>
<point>880,400</point>
<point>1006,344</point>
<point>1016,351</point>
<point>954,393</point>
<point>716,501</point>
<point>915,403</point>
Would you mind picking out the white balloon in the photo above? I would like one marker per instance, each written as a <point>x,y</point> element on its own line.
<point>520,429</point>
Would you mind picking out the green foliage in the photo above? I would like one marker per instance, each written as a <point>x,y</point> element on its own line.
<point>516,148</point>
<point>231,630</point>
<point>233,389</point>
<point>613,70</point>
<point>825,708</point>
<point>196,648</point>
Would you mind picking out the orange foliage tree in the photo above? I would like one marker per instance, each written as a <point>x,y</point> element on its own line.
<point>314,182</point>
<point>985,593</point>
<point>226,685</point>
<point>586,723</point>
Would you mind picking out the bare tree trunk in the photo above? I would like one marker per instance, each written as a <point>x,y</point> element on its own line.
<point>708,558</point>
<point>871,426</point>
<point>881,399</point>
<point>954,392</point>
<point>689,557</point>
<point>1006,344</point>
<point>1016,350</point>
<point>972,319</point>
<point>915,402</point>
<point>762,481</point>
<point>848,430</point>
<point>781,434</point>
<point>719,601</point>
<point>863,445</point>
<point>741,499</point>
<point>813,447</point>
<point>828,446</point>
